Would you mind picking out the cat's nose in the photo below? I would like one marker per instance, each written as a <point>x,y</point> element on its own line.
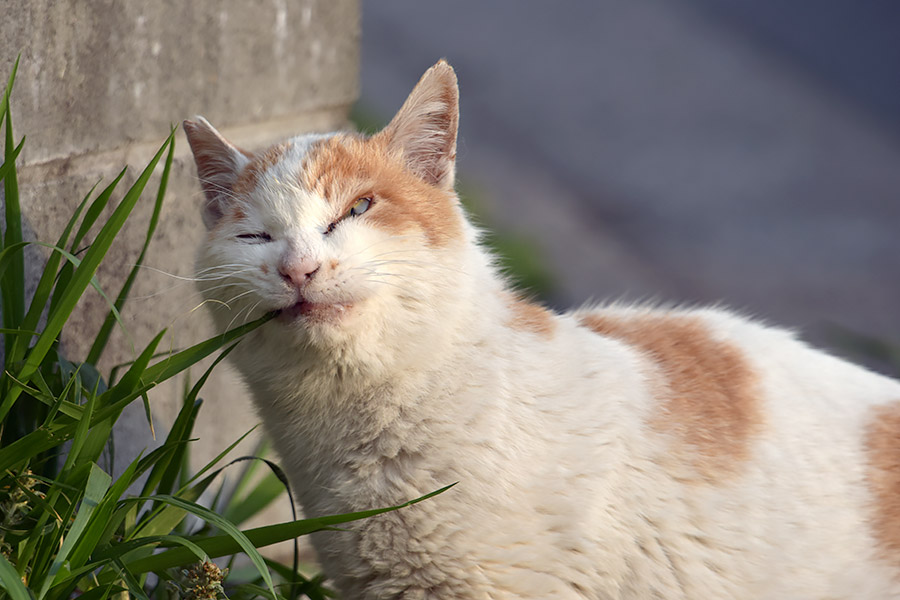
<point>298,271</point>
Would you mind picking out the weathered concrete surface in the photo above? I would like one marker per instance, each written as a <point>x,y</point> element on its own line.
<point>98,87</point>
<point>97,75</point>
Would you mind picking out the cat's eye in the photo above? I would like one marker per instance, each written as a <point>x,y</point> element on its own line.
<point>260,237</point>
<point>361,206</point>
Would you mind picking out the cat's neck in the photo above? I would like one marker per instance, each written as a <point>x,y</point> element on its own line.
<point>343,420</point>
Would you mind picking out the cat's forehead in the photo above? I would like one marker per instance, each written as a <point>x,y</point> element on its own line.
<point>298,161</point>
<point>299,147</point>
<point>282,161</point>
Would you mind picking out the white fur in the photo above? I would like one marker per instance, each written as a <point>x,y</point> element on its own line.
<point>561,490</point>
<point>564,491</point>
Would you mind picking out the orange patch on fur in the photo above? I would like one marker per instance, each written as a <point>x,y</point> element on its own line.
<point>264,268</point>
<point>249,176</point>
<point>882,443</point>
<point>709,391</point>
<point>346,167</point>
<point>528,316</point>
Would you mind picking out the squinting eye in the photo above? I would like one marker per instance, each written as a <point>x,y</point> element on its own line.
<point>255,238</point>
<point>361,206</point>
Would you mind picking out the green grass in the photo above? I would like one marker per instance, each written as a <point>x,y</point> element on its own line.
<point>68,526</point>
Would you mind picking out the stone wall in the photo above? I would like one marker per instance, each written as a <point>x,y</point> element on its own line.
<point>98,87</point>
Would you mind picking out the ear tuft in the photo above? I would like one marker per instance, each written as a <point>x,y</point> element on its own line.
<point>218,164</point>
<point>424,130</point>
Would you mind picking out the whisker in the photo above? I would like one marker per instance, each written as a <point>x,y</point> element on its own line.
<point>223,286</point>
<point>429,264</point>
<point>373,244</point>
<point>400,287</point>
<point>248,309</point>
<point>241,295</point>
<point>380,273</point>
<point>206,271</point>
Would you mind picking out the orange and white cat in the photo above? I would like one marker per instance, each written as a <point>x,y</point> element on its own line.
<point>615,452</point>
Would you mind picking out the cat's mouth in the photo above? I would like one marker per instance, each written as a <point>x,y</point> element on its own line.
<point>314,312</point>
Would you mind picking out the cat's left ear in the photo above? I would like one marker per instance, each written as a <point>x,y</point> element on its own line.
<point>423,131</point>
<point>218,164</point>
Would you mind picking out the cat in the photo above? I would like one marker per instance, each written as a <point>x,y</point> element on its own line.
<point>608,452</point>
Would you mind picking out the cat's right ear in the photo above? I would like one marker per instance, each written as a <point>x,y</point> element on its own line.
<point>218,164</point>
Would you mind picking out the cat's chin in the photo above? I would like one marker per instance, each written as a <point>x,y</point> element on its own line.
<point>314,312</point>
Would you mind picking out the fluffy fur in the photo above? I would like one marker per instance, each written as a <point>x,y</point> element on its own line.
<point>615,452</point>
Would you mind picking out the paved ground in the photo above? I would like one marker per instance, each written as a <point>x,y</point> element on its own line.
<point>674,150</point>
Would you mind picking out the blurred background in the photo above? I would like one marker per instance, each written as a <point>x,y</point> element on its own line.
<point>682,151</point>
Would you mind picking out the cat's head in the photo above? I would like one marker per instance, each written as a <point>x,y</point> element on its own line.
<point>345,235</point>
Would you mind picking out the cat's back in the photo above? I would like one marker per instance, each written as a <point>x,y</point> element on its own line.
<point>750,453</point>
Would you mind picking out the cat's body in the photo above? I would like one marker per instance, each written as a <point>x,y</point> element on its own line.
<point>609,453</point>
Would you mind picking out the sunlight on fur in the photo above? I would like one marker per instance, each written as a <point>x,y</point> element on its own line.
<point>611,452</point>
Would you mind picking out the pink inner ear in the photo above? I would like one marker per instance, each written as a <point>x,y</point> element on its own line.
<point>424,129</point>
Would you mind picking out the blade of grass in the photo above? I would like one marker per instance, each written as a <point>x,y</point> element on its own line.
<point>82,428</point>
<point>253,591</point>
<point>168,477</point>
<point>46,283</point>
<point>135,376</point>
<point>12,582</point>
<point>97,484</point>
<point>61,405</point>
<point>120,550</point>
<point>5,331</point>
<point>103,335</point>
<point>264,492</point>
<point>96,527</point>
<point>100,434</point>
<point>13,281</point>
<point>8,256</point>
<point>223,545</point>
<point>9,165</point>
<point>176,441</point>
<point>97,593</point>
<point>81,278</point>
<point>166,517</point>
<point>90,217</point>
<point>134,586</point>
<point>67,408</point>
<point>4,101</point>
<point>40,552</point>
<point>218,458</point>
<point>249,470</point>
<point>182,360</point>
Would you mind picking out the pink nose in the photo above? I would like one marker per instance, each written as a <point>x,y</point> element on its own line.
<point>297,271</point>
